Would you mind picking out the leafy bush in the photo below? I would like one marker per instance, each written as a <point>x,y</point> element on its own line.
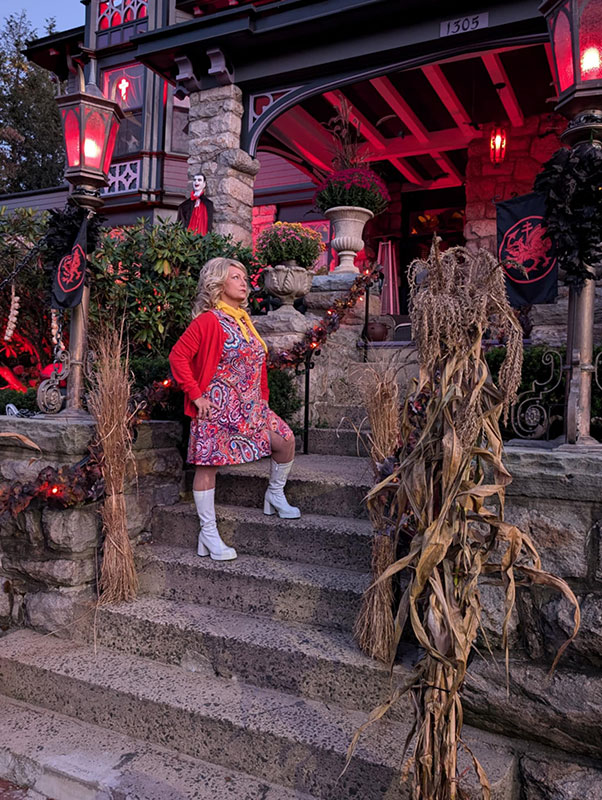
<point>22,400</point>
<point>285,241</point>
<point>30,345</point>
<point>284,397</point>
<point>535,370</point>
<point>359,186</point>
<point>150,274</point>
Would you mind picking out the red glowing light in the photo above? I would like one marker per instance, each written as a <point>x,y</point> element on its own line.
<point>497,145</point>
<point>123,87</point>
<point>55,489</point>
<point>166,382</point>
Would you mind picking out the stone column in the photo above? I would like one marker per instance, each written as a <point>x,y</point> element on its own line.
<point>215,127</point>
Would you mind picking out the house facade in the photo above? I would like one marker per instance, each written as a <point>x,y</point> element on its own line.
<point>244,92</point>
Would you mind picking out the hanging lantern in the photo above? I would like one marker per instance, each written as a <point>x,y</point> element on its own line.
<point>575,28</point>
<point>90,126</point>
<point>497,145</point>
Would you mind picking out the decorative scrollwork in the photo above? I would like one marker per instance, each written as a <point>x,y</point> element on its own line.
<point>49,396</point>
<point>598,370</point>
<point>530,415</point>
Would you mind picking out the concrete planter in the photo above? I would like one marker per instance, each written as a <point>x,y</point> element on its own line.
<point>287,282</point>
<point>348,223</point>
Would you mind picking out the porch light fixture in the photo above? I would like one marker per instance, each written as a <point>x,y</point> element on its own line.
<point>575,28</point>
<point>497,145</point>
<point>90,125</point>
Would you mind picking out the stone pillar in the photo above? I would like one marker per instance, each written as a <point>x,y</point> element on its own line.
<point>214,149</point>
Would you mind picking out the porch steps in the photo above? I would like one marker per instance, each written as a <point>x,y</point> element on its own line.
<point>340,542</point>
<point>66,759</point>
<point>266,587</point>
<point>277,737</point>
<point>245,669</point>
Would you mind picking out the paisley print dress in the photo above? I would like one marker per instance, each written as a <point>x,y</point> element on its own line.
<point>237,430</point>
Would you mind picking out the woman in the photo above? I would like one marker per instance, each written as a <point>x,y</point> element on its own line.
<point>219,362</point>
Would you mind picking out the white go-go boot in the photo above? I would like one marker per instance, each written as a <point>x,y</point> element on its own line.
<point>210,542</point>
<point>275,501</point>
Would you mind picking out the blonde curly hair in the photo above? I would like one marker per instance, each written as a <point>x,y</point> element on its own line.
<point>211,283</point>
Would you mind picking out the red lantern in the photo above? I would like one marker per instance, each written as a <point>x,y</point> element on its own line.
<point>497,145</point>
<point>90,126</point>
<point>576,33</point>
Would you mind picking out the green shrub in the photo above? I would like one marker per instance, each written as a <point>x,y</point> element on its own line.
<point>534,370</point>
<point>22,400</point>
<point>150,274</point>
<point>284,397</point>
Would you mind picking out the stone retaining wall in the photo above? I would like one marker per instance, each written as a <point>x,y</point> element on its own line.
<point>49,558</point>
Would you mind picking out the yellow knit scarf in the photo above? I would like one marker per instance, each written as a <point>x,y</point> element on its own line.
<point>244,322</point>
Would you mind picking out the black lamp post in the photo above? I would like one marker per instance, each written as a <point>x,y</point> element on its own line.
<point>90,126</point>
<point>575,28</point>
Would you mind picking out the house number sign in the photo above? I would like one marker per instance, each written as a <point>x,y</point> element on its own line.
<point>464,24</point>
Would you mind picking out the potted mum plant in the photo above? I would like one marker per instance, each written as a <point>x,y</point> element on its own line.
<point>288,249</point>
<point>349,198</point>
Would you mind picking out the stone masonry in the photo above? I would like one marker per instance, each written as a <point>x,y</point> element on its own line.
<point>49,558</point>
<point>215,126</point>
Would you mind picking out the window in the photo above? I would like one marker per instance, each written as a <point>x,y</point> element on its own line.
<point>125,85</point>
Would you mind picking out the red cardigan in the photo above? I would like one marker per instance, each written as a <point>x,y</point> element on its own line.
<point>195,356</point>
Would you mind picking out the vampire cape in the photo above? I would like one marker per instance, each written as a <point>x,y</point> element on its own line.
<point>186,209</point>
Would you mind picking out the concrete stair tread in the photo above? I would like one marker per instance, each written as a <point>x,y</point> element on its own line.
<point>347,525</point>
<point>337,470</point>
<point>145,681</point>
<point>258,566</point>
<point>63,757</point>
<point>84,682</point>
<point>343,542</point>
<point>273,634</point>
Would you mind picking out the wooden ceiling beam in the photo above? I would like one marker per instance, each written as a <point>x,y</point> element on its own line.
<point>501,81</point>
<point>291,133</point>
<point>402,147</point>
<point>447,166</point>
<point>373,136</point>
<point>434,75</point>
<point>400,107</point>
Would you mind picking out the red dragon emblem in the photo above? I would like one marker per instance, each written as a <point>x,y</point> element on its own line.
<point>71,270</point>
<point>526,243</point>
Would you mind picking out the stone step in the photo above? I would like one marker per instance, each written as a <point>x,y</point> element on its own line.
<point>66,759</point>
<point>319,664</point>
<point>336,442</point>
<point>266,587</point>
<point>300,744</point>
<point>314,539</point>
<point>331,485</point>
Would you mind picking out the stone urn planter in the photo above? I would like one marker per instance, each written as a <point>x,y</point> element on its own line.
<point>287,282</point>
<point>348,223</point>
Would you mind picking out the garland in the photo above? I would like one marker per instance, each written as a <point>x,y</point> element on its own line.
<point>572,184</point>
<point>316,336</point>
<point>57,488</point>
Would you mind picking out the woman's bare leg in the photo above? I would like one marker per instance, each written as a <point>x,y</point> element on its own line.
<point>204,478</point>
<point>283,450</point>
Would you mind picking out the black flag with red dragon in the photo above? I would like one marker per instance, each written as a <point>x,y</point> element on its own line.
<point>70,273</point>
<point>526,252</point>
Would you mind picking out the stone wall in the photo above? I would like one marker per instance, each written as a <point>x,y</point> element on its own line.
<point>214,149</point>
<point>49,559</point>
<point>339,374</point>
<point>555,498</point>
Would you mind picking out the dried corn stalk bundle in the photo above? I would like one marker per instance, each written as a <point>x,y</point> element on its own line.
<point>374,627</point>
<point>449,467</point>
<point>109,402</point>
